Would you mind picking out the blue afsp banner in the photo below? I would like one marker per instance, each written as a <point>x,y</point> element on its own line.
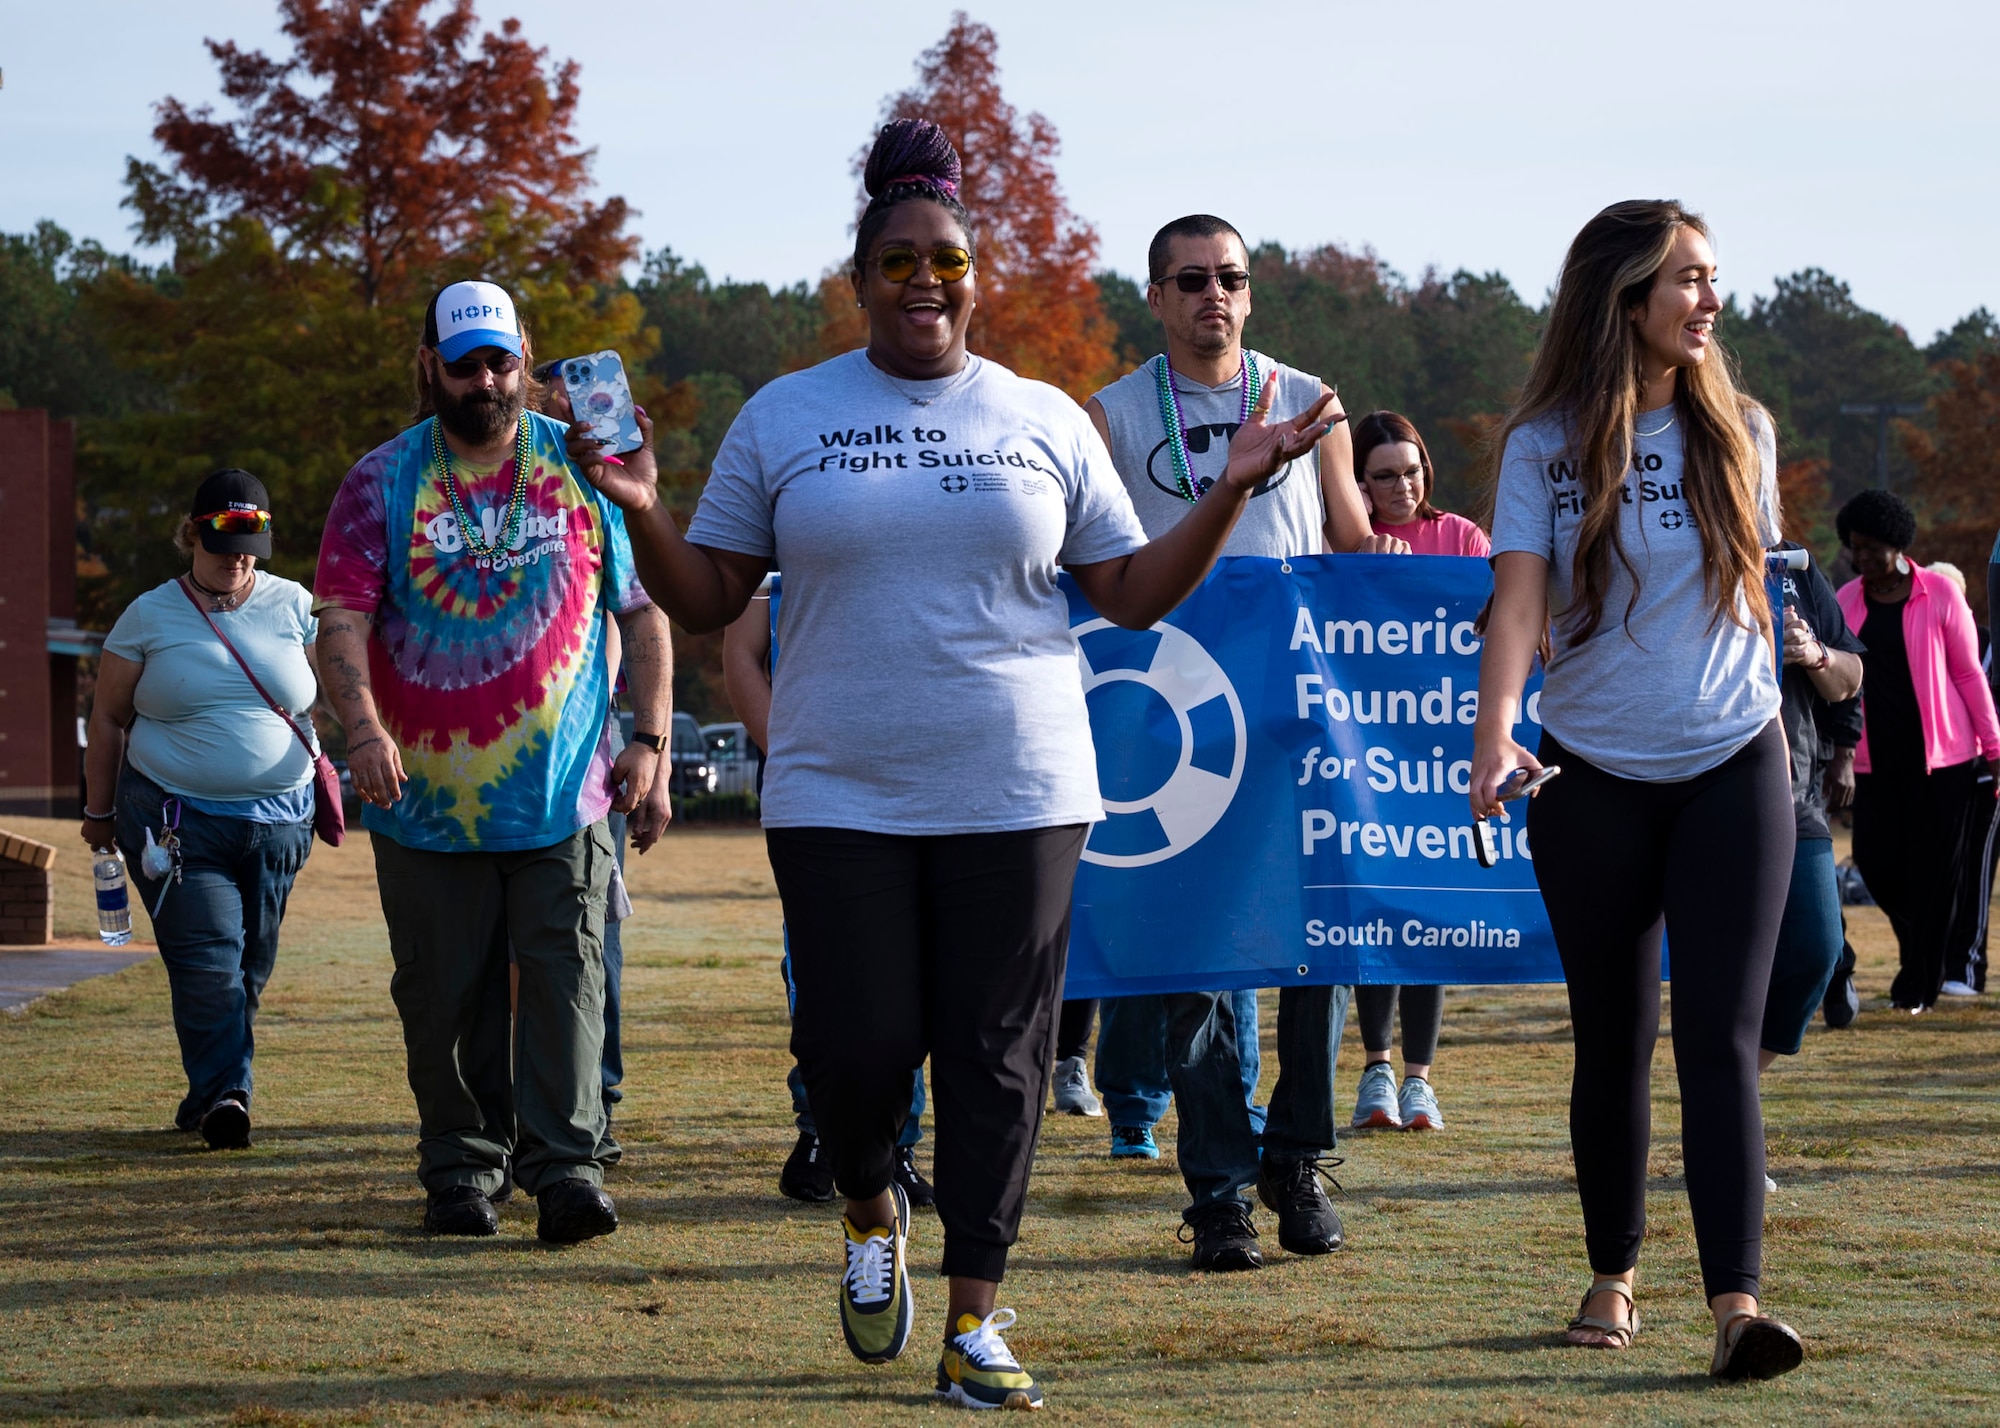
<point>1284,763</point>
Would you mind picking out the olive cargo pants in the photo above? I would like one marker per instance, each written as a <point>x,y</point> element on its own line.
<point>451,918</point>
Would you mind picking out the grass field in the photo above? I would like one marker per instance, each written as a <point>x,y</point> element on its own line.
<point>141,1277</point>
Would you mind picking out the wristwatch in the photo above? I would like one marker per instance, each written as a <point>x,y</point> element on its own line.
<point>656,742</point>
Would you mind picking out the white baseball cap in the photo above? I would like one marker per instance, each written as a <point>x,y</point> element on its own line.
<point>469,315</point>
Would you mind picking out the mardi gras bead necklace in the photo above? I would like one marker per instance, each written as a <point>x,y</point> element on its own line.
<point>517,503</point>
<point>1170,417</point>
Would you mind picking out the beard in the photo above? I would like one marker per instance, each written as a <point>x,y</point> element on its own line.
<point>1210,341</point>
<point>479,418</point>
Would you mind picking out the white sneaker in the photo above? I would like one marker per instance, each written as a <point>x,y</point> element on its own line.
<point>1376,1106</point>
<point>1072,1086</point>
<point>1417,1105</point>
<point>1958,989</point>
<point>1770,1186</point>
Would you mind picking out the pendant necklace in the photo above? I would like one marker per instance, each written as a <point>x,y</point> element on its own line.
<point>517,503</point>
<point>1252,383</point>
<point>224,603</point>
<point>891,383</point>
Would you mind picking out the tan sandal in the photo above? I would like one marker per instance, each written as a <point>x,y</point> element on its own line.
<point>1616,1335</point>
<point>1759,1347</point>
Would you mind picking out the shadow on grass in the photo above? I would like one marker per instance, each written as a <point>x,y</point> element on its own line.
<point>527,1394</point>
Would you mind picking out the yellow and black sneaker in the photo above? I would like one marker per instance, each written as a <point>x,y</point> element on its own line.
<point>875,1309</point>
<point>978,1370</point>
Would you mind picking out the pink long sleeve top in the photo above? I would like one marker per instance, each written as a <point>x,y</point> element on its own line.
<point>1952,698</point>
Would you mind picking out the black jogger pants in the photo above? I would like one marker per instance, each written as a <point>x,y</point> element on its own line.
<point>947,946</point>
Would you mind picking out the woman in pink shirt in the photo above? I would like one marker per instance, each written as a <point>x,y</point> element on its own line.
<point>1394,473</point>
<point>1928,733</point>
<point>1396,479</point>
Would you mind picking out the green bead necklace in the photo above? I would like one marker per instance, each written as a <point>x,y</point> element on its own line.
<point>1170,417</point>
<point>517,503</point>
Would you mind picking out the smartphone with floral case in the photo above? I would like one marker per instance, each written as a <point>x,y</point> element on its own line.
<point>602,400</point>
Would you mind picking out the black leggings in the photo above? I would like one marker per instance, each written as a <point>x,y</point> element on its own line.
<point>1909,843</point>
<point>1711,859</point>
<point>951,947</point>
<point>1073,1030</point>
<point>1423,1018</point>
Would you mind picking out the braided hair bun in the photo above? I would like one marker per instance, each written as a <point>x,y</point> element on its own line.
<point>913,159</point>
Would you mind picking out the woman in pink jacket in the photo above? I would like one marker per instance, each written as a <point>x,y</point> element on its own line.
<point>1928,723</point>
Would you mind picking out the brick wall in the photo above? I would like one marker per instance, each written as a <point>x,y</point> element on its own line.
<point>26,775</point>
<point>27,891</point>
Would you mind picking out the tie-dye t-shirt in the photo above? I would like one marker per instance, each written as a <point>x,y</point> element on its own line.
<point>489,674</point>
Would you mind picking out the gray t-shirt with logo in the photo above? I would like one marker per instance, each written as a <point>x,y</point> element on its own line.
<point>1669,691</point>
<point>929,683</point>
<point>1285,515</point>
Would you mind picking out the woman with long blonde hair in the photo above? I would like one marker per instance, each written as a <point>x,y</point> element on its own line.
<point>1636,492</point>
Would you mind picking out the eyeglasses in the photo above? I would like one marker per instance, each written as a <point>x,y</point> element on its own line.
<point>1233,280</point>
<point>236,522</point>
<point>500,364</point>
<point>1413,474</point>
<point>898,263</point>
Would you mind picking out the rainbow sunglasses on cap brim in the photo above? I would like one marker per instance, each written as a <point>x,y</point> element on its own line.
<point>238,522</point>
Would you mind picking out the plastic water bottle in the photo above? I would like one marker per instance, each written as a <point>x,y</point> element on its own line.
<point>114,911</point>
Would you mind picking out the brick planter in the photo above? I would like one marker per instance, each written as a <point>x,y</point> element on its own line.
<point>27,892</point>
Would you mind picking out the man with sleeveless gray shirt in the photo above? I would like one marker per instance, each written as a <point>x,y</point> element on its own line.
<point>1168,424</point>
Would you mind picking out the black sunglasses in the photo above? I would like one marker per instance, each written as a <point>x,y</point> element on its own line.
<point>1233,280</point>
<point>500,364</point>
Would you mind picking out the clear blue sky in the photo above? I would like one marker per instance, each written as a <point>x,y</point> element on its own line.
<point>1857,138</point>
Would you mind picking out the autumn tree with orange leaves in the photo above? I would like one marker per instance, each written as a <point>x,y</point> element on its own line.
<point>390,144</point>
<point>1958,470</point>
<point>1039,311</point>
<point>397,147</point>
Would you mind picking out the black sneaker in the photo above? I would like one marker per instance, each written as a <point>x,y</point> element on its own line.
<point>226,1124</point>
<point>1842,1002</point>
<point>1222,1236</point>
<point>806,1175</point>
<point>460,1210</point>
<point>906,1174</point>
<point>1307,1222</point>
<point>574,1210</point>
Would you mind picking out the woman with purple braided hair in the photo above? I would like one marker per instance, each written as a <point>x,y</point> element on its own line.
<point>919,500</point>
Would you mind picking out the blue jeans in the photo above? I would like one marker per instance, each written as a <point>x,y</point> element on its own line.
<point>217,929</point>
<point>795,1082</point>
<point>1809,941</point>
<point>1218,1145</point>
<point>1132,1058</point>
<point>613,1069</point>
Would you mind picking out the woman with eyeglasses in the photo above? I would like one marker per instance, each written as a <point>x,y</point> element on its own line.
<point>205,787</point>
<point>1636,494</point>
<point>1393,468</point>
<point>920,501</point>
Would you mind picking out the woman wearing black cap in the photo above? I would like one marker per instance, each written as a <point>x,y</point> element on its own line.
<point>204,787</point>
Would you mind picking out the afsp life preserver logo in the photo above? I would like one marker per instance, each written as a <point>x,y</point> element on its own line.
<point>1170,740</point>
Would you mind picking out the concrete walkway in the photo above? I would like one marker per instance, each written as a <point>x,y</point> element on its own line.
<point>27,973</point>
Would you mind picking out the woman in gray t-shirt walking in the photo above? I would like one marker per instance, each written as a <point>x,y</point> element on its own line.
<point>931,773</point>
<point>1636,495</point>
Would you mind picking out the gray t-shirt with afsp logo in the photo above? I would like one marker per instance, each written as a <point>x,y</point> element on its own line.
<point>929,681</point>
<point>1285,515</point>
<point>1669,691</point>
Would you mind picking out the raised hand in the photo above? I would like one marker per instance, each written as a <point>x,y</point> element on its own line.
<point>632,483</point>
<point>1261,446</point>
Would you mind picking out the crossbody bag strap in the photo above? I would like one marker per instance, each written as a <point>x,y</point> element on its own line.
<point>244,665</point>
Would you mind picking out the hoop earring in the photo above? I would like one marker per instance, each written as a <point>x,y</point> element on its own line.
<point>1902,565</point>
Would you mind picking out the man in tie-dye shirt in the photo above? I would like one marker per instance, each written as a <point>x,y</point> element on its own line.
<point>462,638</point>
